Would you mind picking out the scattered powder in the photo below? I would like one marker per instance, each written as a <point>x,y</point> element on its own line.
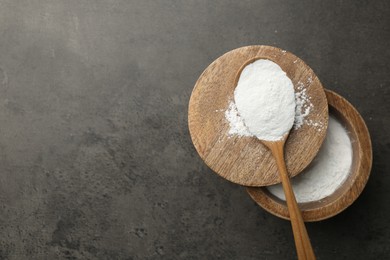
<point>237,126</point>
<point>317,125</point>
<point>265,100</point>
<point>303,105</point>
<point>328,170</point>
<point>310,79</point>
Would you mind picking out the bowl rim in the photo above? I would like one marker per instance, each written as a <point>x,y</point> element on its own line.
<point>360,174</point>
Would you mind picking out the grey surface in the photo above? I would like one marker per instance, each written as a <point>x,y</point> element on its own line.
<point>95,157</point>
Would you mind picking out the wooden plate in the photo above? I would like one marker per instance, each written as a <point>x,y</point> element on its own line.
<point>348,192</point>
<point>244,160</point>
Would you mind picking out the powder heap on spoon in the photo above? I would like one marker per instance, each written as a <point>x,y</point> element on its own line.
<point>303,104</point>
<point>265,101</point>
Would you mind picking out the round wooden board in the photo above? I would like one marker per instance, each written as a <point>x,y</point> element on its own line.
<point>244,160</point>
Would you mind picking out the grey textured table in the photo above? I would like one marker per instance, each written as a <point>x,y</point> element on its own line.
<point>95,157</point>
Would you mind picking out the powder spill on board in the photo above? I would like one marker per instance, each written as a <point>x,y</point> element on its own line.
<point>303,105</point>
<point>237,125</point>
<point>328,170</point>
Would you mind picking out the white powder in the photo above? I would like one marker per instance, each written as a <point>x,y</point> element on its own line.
<point>328,170</point>
<point>265,101</point>
<point>303,105</point>
<point>237,125</point>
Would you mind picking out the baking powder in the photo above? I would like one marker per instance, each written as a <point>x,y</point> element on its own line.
<point>258,100</point>
<point>265,100</point>
<point>328,170</point>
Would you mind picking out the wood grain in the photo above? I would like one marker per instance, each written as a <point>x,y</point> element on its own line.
<point>244,160</point>
<point>352,187</point>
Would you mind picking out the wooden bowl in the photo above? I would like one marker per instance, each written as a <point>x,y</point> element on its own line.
<point>245,160</point>
<point>349,191</point>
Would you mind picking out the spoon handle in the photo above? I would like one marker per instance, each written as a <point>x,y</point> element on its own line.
<point>302,241</point>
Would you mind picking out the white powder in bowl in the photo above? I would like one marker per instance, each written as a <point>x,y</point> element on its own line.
<point>328,170</point>
<point>265,100</point>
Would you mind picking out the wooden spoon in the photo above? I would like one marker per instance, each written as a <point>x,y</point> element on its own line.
<point>302,241</point>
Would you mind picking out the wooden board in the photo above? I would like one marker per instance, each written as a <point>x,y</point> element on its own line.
<point>244,160</point>
<point>348,192</point>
